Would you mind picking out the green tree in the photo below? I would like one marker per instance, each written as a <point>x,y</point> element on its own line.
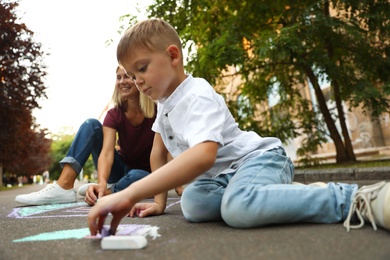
<point>59,148</point>
<point>24,148</point>
<point>278,46</point>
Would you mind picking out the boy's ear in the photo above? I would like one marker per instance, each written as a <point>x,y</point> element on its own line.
<point>174,53</point>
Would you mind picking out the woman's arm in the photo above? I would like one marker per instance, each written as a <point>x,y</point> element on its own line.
<point>105,161</point>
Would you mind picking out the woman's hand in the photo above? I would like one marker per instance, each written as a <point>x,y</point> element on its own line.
<point>94,192</point>
<point>146,209</point>
<point>117,204</point>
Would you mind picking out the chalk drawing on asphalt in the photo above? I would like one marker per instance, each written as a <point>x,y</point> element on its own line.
<point>66,210</point>
<point>123,230</point>
<point>36,211</point>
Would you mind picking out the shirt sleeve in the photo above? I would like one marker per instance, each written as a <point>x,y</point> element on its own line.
<point>155,126</point>
<point>203,120</point>
<point>111,118</point>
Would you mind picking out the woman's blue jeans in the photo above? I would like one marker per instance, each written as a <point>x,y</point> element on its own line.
<point>260,193</point>
<point>89,140</point>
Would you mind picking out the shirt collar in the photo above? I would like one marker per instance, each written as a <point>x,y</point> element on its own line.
<point>179,92</point>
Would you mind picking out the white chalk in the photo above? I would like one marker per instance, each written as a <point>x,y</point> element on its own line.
<point>123,242</point>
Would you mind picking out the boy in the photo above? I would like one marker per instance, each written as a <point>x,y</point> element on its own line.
<point>245,180</point>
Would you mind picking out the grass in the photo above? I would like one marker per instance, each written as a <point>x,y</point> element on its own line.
<point>8,188</point>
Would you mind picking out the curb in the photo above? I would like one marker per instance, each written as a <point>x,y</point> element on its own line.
<point>342,174</point>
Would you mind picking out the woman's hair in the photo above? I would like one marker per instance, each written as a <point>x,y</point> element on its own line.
<point>147,105</point>
<point>152,34</point>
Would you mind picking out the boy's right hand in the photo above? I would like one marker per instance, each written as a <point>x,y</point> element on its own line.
<point>118,204</point>
<point>146,209</point>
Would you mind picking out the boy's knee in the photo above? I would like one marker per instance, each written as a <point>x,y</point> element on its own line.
<point>235,217</point>
<point>191,204</point>
<point>198,208</point>
<point>234,212</point>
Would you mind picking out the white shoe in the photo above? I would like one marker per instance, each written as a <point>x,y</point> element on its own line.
<point>371,203</point>
<point>51,194</point>
<point>83,189</point>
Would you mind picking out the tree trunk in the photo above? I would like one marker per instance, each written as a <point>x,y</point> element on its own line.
<point>344,129</point>
<point>347,153</point>
<point>341,152</point>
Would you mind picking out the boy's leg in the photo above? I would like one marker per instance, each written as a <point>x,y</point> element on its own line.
<point>201,199</point>
<point>260,193</point>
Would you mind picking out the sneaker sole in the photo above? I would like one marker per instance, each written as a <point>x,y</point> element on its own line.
<point>33,203</point>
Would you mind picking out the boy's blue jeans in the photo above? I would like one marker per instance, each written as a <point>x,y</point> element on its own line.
<point>260,193</point>
<point>89,140</point>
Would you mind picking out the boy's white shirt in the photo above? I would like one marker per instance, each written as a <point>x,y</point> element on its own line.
<point>195,113</point>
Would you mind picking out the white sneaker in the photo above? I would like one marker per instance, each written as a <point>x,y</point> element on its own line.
<point>83,189</point>
<point>371,203</point>
<point>51,194</point>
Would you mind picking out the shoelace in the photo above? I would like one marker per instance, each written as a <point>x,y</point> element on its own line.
<point>47,188</point>
<point>361,205</point>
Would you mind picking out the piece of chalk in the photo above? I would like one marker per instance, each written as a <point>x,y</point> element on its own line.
<point>105,232</point>
<point>123,242</point>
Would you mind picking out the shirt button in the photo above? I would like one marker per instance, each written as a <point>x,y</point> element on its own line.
<point>166,114</point>
<point>170,137</point>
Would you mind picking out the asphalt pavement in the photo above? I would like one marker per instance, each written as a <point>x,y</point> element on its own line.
<point>60,232</point>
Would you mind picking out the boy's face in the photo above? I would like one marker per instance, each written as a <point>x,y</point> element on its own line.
<point>153,72</point>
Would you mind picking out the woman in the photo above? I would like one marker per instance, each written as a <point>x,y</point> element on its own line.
<point>128,125</point>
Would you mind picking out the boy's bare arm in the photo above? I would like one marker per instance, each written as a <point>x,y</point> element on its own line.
<point>158,158</point>
<point>183,169</point>
<point>179,171</point>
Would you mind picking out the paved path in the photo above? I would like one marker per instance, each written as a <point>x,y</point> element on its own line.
<point>178,238</point>
<point>349,175</point>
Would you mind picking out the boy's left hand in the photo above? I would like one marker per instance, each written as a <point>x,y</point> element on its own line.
<point>146,209</point>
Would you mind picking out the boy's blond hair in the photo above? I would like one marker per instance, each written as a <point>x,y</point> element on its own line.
<point>147,105</point>
<point>152,34</point>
